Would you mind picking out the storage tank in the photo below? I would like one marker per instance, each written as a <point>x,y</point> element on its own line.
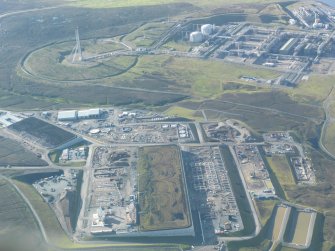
<point>207,29</point>
<point>196,37</point>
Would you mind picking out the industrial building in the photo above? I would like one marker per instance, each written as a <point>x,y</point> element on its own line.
<point>82,114</point>
<point>67,115</point>
<point>89,114</point>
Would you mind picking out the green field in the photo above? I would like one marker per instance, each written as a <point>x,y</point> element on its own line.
<point>315,90</point>
<point>13,154</point>
<point>53,62</point>
<point>17,222</point>
<point>281,169</point>
<point>162,200</point>
<point>329,137</point>
<point>49,220</point>
<point>265,209</point>
<point>147,34</point>
<point>203,78</point>
<point>183,112</point>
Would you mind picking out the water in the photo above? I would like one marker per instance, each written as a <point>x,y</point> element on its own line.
<point>329,2</point>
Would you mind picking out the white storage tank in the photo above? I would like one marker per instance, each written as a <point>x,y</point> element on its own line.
<point>207,29</point>
<point>196,37</point>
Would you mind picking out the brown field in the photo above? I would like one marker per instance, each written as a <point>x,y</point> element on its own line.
<point>277,223</point>
<point>301,229</point>
<point>162,199</point>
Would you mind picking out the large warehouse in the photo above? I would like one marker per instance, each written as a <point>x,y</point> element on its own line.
<point>82,114</point>
<point>67,115</point>
<point>89,114</point>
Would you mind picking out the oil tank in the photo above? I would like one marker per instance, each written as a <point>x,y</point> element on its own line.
<point>196,37</point>
<point>207,29</point>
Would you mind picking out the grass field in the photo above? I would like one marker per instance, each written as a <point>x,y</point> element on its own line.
<point>49,220</point>
<point>13,154</point>
<point>53,62</point>
<point>329,137</point>
<point>203,78</point>
<point>147,34</point>
<point>162,199</point>
<point>265,209</point>
<point>281,169</point>
<point>183,46</point>
<point>184,113</point>
<point>315,90</point>
<point>17,222</point>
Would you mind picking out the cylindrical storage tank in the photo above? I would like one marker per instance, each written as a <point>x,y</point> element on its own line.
<point>207,29</point>
<point>196,37</point>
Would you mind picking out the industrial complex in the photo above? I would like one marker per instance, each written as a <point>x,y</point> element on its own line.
<point>113,172</point>
<point>160,178</point>
<point>305,45</point>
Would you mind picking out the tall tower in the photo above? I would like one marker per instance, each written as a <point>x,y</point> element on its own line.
<point>76,52</point>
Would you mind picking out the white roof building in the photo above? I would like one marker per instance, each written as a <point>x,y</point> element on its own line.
<point>67,115</point>
<point>90,113</point>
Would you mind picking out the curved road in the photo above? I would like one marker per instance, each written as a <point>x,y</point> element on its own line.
<point>39,222</point>
<point>326,106</point>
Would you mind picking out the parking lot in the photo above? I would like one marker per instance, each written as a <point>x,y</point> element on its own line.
<point>53,188</point>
